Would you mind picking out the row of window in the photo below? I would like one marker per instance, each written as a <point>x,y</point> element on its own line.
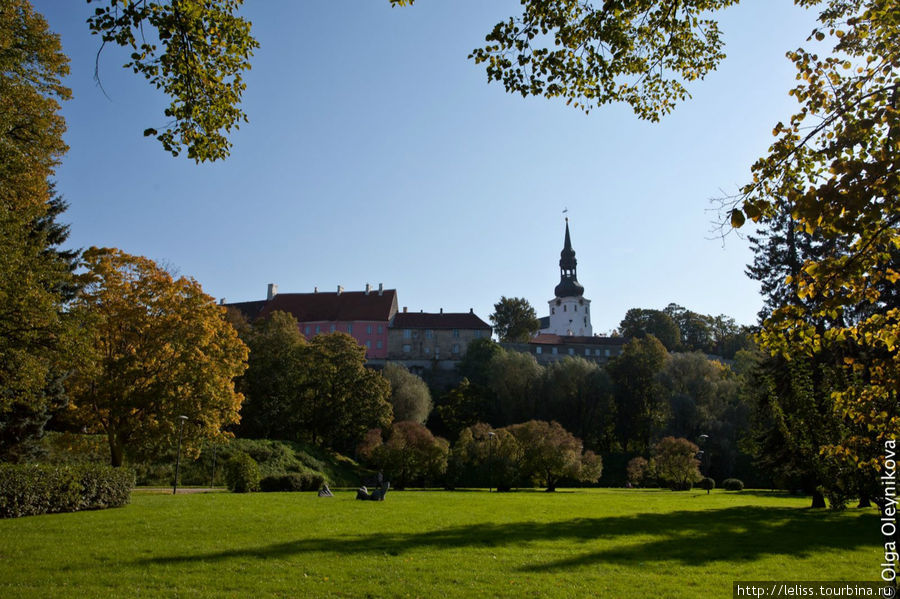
<point>571,351</point>
<point>429,333</point>
<point>407,348</point>
<point>586,309</point>
<point>308,330</point>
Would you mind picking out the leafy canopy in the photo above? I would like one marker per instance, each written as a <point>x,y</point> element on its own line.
<point>157,348</point>
<point>197,57</point>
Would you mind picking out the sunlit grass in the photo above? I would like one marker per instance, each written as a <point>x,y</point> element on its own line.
<point>609,543</point>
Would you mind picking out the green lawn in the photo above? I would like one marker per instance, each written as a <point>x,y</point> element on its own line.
<point>607,543</point>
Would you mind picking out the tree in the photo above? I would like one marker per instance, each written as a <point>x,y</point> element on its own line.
<point>410,453</point>
<point>637,470</point>
<point>514,320</point>
<point>578,394</point>
<point>32,66</point>
<point>475,365</point>
<point>640,408</point>
<point>834,167</point>
<point>156,348</point>
<point>515,384</point>
<point>205,48</point>
<point>487,457</point>
<point>275,377</point>
<point>36,277</point>
<point>342,399</point>
<point>551,453</point>
<point>675,463</point>
<point>639,322</point>
<point>461,407</point>
<point>37,338</point>
<point>410,397</point>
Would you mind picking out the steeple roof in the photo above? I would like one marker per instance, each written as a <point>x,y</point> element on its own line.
<point>568,280</point>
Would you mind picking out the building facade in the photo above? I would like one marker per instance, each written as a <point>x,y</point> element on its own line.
<point>425,340</point>
<point>547,348</point>
<point>364,315</point>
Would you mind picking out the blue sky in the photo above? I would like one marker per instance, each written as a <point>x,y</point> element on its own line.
<point>376,152</point>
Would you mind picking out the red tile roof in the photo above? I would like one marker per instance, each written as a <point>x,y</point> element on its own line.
<point>443,320</point>
<point>332,307</point>
<point>550,339</point>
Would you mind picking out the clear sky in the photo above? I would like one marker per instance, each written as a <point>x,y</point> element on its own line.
<point>376,152</point>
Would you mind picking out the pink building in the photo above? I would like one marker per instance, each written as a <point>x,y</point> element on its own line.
<point>364,315</point>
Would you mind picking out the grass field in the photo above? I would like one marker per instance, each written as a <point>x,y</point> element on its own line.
<point>606,543</point>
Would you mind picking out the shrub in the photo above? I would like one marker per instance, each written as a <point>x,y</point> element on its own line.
<point>292,481</point>
<point>707,484</point>
<point>242,474</point>
<point>31,489</point>
<point>732,484</point>
<point>676,463</point>
<point>637,470</point>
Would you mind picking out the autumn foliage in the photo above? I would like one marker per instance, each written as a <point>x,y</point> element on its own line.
<point>154,348</point>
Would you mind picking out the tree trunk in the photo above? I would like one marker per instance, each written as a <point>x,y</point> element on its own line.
<point>864,500</point>
<point>818,500</point>
<point>116,456</point>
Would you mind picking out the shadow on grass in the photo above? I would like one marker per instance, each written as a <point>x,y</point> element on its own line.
<point>691,537</point>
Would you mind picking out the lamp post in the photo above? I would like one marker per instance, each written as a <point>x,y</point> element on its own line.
<point>178,453</point>
<point>704,454</point>
<point>491,436</point>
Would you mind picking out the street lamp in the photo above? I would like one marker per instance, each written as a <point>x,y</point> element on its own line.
<point>178,453</point>
<point>491,436</point>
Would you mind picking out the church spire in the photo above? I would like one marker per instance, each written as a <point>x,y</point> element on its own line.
<point>568,281</point>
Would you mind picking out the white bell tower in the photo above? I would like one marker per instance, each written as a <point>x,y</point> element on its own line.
<point>570,311</point>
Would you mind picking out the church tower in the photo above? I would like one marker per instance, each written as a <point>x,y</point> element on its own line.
<point>570,311</point>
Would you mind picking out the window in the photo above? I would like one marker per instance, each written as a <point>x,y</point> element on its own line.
<point>587,351</point>
<point>455,348</point>
<point>571,351</point>
<point>380,329</point>
<point>368,344</point>
<point>427,350</point>
<point>350,328</point>
<point>552,311</point>
<point>318,329</point>
<point>456,333</point>
<point>378,344</point>
<point>607,353</point>
<point>429,333</point>
<point>564,309</point>
<point>478,334</point>
<point>576,308</point>
<point>306,330</point>
<point>406,348</point>
<point>553,351</point>
<point>368,329</point>
<point>407,333</point>
<point>538,350</point>
<point>332,329</point>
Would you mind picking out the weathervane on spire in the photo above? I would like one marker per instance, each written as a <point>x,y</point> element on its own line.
<point>565,212</point>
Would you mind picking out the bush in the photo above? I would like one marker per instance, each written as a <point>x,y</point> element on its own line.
<point>292,481</point>
<point>31,489</point>
<point>707,484</point>
<point>732,484</point>
<point>242,474</point>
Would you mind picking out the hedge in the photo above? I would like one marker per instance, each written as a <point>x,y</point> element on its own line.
<point>293,481</point>
<point>32,489</point>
